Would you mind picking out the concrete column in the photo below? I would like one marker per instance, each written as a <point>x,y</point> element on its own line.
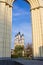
<point>8,23</point>
<point>9,29</point>
<point>7,33</point>
<point>2,23</point>
<point>41,19</point>
<point>37,32</point>
<point>41,15</point>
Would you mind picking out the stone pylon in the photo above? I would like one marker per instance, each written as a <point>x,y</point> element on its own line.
<point>37,27</point>
<point>5,28</point>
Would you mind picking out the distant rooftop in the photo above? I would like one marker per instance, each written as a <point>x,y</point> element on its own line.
<point>19,34</point>
<point>22,34</point>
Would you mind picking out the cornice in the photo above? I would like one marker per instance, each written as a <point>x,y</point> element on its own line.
<point>36,8</point>
<point>6,3</point>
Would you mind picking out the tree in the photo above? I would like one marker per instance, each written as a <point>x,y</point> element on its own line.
<point>18,50</point>
<point>28,50</point>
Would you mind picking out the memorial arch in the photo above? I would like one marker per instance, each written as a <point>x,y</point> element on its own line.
<point>6,27</point>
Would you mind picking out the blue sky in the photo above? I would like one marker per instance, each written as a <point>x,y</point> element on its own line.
<point>21,21</point>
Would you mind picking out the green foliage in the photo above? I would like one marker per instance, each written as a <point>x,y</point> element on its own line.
<point>18,51</point>
<point>19,47</point>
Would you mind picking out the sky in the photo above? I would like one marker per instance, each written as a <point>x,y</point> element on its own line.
<point>21,21</point>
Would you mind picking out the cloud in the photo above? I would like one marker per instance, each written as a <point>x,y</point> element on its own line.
<point>17,11</point>
<point>21,13</point>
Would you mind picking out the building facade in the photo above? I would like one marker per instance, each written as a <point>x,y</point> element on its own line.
<point>19,40</point>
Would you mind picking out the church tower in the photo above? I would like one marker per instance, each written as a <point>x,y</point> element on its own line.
<point>22,39</point>
<point>19,40</point>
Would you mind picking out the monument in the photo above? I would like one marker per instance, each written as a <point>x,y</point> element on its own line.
<point>6,27</point>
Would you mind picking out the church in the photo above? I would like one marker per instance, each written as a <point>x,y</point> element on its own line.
<point>19,40</point>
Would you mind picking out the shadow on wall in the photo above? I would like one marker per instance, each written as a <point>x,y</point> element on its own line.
<point>41,51</point>
<point>40,54</point>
